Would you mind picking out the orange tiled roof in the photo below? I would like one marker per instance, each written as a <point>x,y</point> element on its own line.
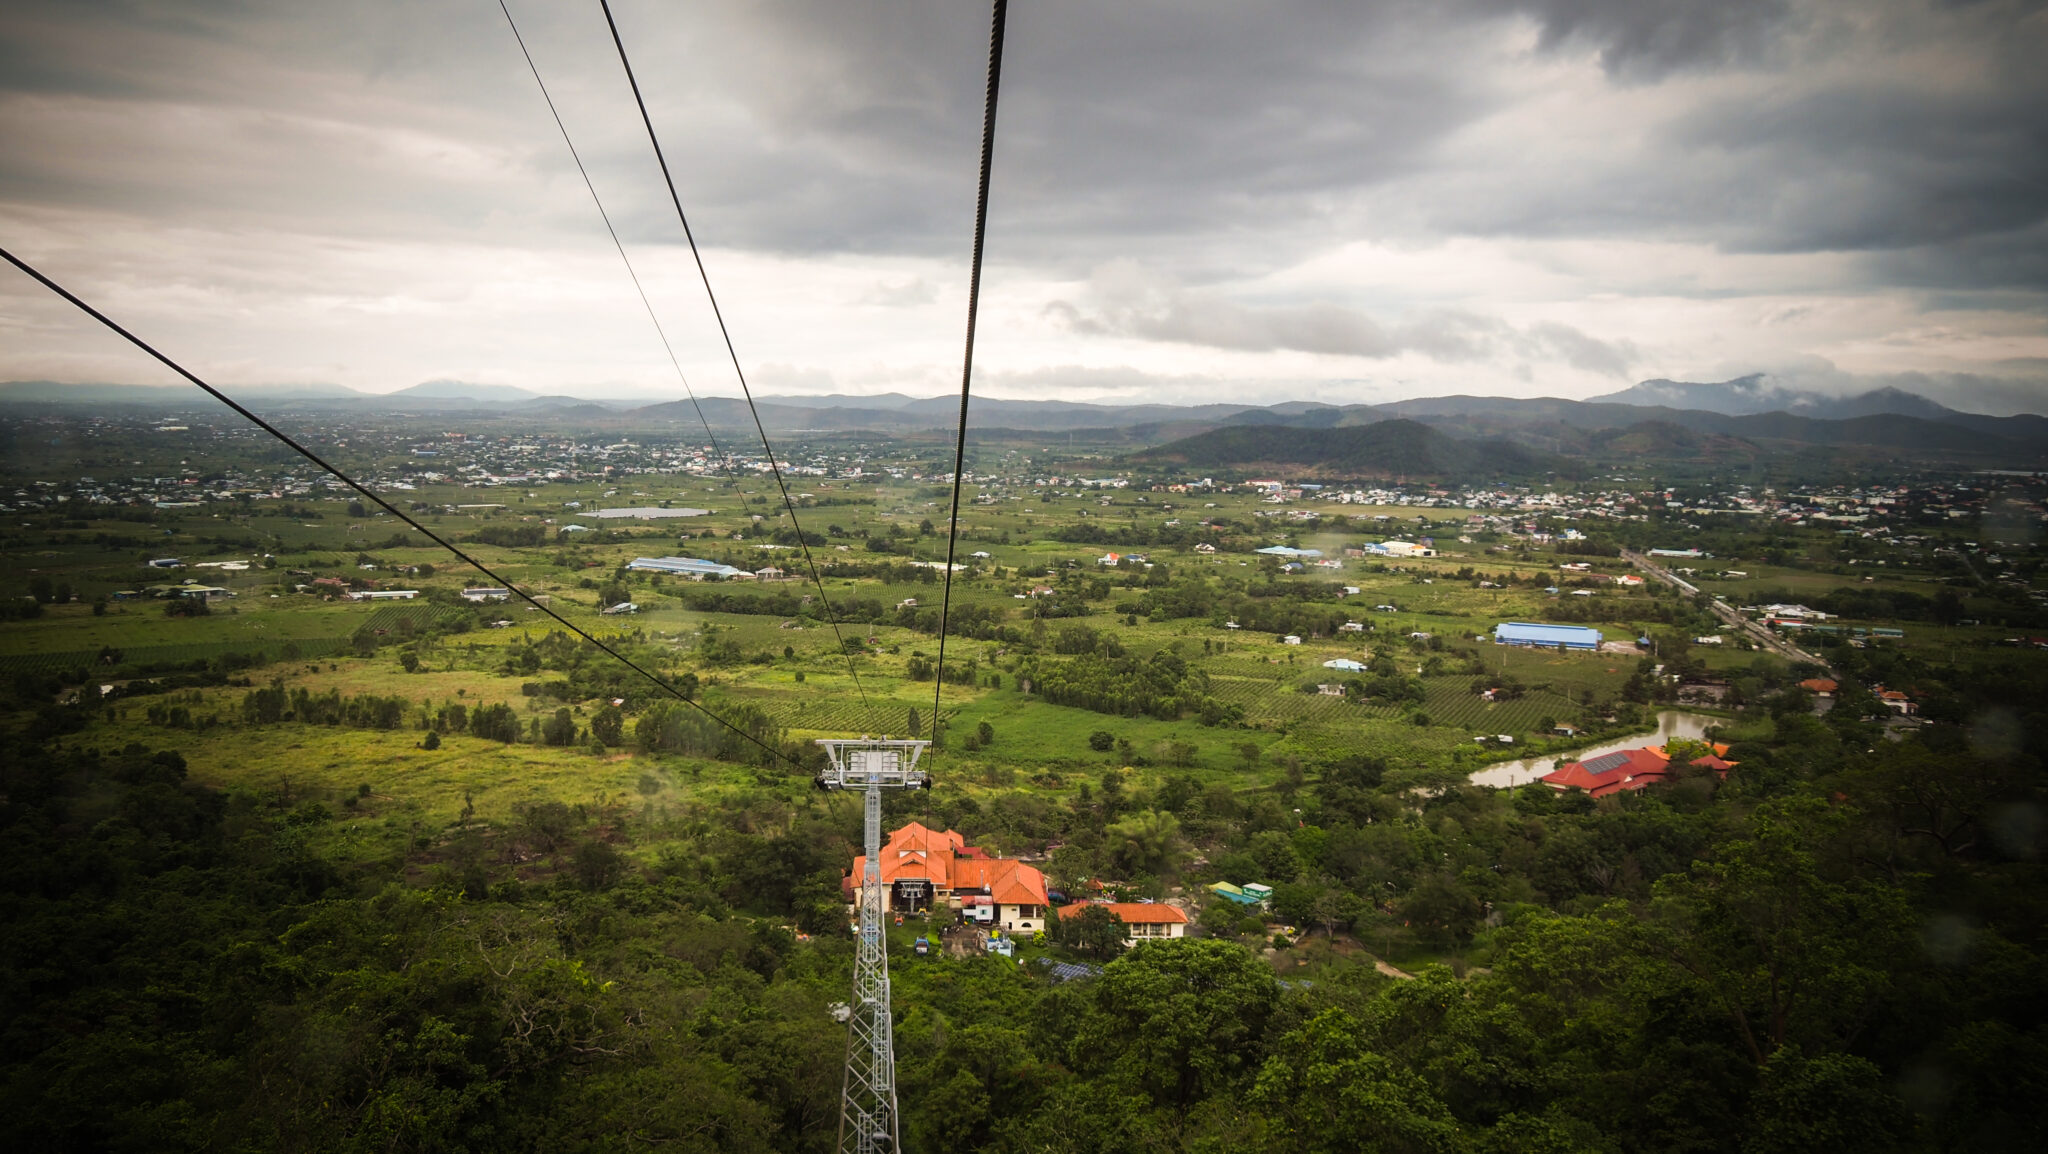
<point>1010,883</point>
<point>1133,913</point>
<point>944,859</point>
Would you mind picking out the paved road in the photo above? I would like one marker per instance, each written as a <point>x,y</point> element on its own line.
<point>1727,613</point>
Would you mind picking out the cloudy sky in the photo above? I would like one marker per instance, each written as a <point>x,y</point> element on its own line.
<point>1193,201</point>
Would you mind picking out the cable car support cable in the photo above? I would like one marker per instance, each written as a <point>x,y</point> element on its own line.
<point>774,467</point>
<point>381,503</point>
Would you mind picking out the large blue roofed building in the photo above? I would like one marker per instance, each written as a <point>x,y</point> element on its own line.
<point>1547,636</point>
<point>694,568</point>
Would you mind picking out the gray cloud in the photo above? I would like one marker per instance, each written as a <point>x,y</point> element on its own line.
<point>1905,130</point>
<point>1266,131</point>
<point>1647,40</point>
<point>1128,302</point>
<point>901,294</point>
<point>261,149</point>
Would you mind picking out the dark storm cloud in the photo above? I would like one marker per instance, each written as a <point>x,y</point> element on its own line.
<point>1647,40</point>
<point>1910,130</point>
<point>1212,142</point>
<point>1876,166</point>
<point>1262,132</point>
<point>1125,127</point>
<point>1129,130</point>
<point>795,128</point>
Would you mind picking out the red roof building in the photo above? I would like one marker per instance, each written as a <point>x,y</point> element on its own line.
<point>1610,772</point>
<point>922,868</point>
<point>1143,921</point>
<point>1628,769</point>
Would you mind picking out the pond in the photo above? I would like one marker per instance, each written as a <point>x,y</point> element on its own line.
<point>1671,723</point>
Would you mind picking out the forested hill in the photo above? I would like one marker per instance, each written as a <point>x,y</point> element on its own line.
<point>1398,448</point>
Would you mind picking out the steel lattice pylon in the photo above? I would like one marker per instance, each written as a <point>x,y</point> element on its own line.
<point>867,1101</point>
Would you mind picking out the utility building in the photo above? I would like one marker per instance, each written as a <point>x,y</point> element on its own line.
<point>1546,636</point>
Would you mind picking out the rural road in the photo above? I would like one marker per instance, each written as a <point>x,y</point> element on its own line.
<point>1726,613</point>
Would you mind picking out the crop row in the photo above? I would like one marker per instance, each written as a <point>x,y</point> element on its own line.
<point>843,716</point>
<point>1452,702</point>
<point>411,618</point>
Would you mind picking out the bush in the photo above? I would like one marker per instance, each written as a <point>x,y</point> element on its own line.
<point>598,866</point>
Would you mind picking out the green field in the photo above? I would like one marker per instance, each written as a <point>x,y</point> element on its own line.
<point>790,664</point>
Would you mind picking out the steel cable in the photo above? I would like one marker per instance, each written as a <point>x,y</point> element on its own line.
<point>781,486</point>
<point>380,502</point>
<point>988,148</point>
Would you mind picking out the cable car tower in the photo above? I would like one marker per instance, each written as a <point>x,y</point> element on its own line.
<point>867,1100</point>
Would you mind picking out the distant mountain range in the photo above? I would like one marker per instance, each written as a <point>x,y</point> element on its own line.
<point>1755,394</point>
<point>1737,419</point>
<point>1384,449</point>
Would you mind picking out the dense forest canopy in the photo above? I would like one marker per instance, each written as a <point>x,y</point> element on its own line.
<point>1836,949</point>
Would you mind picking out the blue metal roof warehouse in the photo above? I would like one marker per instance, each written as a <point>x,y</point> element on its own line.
<point>1528,633</point>
<point>692,567</point>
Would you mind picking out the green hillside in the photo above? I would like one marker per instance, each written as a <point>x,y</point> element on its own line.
<point>1397,448</point>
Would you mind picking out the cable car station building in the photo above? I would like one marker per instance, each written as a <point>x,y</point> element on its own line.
<point>924,868</point>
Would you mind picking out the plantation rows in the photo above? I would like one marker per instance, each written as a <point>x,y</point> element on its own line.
<point>844,716</point>
<point>417,618</point>
<point>1245,691</point>
<point>1452,702</point>
<point>179,654</point>
<point>1285,704</point>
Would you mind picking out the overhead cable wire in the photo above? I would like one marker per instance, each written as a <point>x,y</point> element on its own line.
<point>988,149</point>
<point>381,503</point>
<point>781,486</point>
<point>637,287</point>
